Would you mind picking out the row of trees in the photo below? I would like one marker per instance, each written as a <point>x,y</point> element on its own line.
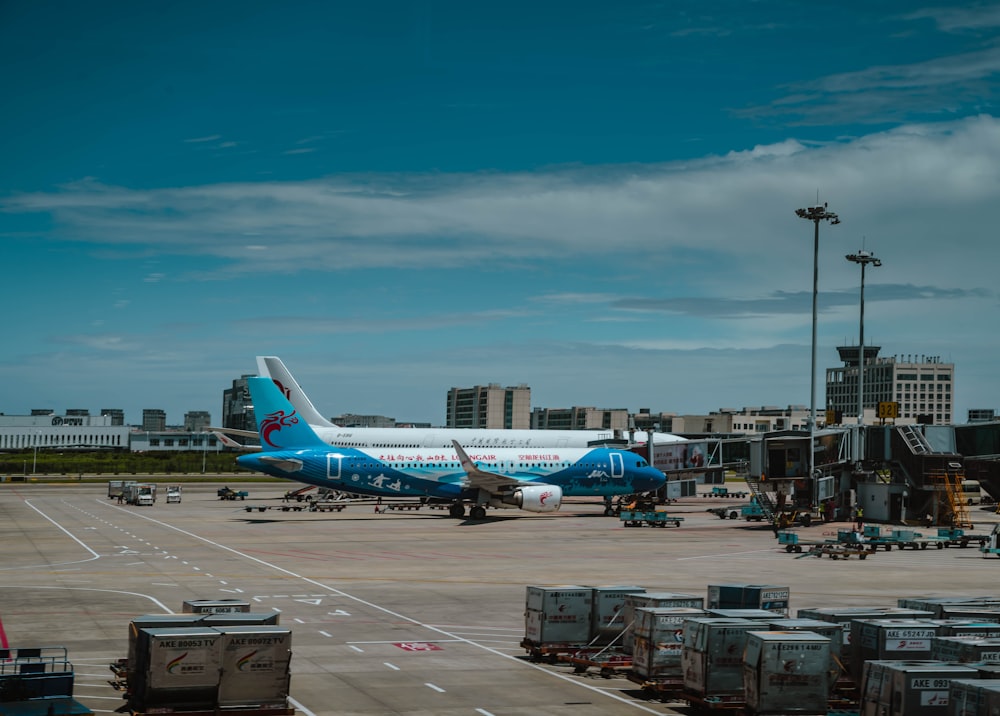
<point>108,462</point>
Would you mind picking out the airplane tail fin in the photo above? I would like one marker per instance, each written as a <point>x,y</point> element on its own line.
<point>272,367</point>
<point>279,424</point>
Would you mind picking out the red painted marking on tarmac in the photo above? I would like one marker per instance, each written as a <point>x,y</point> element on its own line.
<point>3,636</point>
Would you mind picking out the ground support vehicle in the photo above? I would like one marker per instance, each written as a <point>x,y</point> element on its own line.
<point>992,544</point>
<point>725,492</point>
<point>608,662</point>
<point>957,537</point>
<point>228,493</point>
<point>38,682</point>
<point>848,544</point>
<point>173,494</point>
<point>899,538</point>
<point>116,488</point>
<point>551,652</point>
<point>753,512</point>
<point>724,512</point>
<point>665,688</point>
<point>653,518</point>
<point>139,493</point>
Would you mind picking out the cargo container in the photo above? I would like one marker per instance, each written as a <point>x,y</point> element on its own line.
<point>968,697</point>
<point>968,627</point>
<point>607,618</point>
<point>845,615</point>
<point>558,614</point>
<point>748,596</point>
<point>787,672</point>
<point>831,631</point>
<point>712,656</point>
<point>215,606</point>
<point>763,615</point>
<point>138,639</point>
<point>176,669</point>
<point>654,600</point>
<point>255,666</point>
<point>909,688</point>
<point>116,488</point>
<point>659,640</point>
<point>219,619</point>
<point>887,639</point>
<point>964,649</point>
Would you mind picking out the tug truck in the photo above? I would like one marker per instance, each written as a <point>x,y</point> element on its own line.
<point>140,494</point>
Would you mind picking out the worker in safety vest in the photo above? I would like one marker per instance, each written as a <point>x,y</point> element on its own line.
<point>859,517</point>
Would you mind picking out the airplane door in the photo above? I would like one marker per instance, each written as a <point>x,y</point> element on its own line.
<point>333,466</point>
<point>617,466</point>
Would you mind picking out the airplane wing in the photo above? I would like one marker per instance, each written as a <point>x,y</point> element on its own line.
<point>491,482</point>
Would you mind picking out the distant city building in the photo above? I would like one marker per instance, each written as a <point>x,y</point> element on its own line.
<point>154,419</point>
<point>350,420</point>
<point>117,415</point>
<point>489,407</point>
<point>921,385</point>
<point>579,418</point>
<point>51,431</point>
<point>726,421</point>
<point>982,415</point>
<point>172,441</point>
<point>237,407</point>
<point>196,421</point>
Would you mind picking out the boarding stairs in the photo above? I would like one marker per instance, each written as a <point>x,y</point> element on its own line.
<point>764,500</point>
<point>915,439</point>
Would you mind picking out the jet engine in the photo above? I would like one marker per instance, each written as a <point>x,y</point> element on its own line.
<point>532,498</point>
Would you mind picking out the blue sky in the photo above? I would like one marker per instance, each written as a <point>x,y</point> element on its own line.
<point>594,199</point>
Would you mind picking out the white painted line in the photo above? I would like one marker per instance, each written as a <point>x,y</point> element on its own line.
<point>357,648</point>
<point>391,666</point>
<point>436,688</point>
<point>484,712</point>
<point>325,633</point>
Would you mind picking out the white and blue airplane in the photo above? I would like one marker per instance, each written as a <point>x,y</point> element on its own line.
<point>274,368</point>
<point>532,479</point>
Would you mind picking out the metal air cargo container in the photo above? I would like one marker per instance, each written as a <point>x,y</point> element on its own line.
<point>909,688</point>
<point>221,619</point>
<point>558,614</point>
<point>882,639</point>
<point>748,596</point>
<point>138,639</point>
<point>176,668</point>
<point>761,615</point>
<point>255,666</point>
<point>968,627</point>
<point>607,619</point>
<point>968,697</point>
<point>659,640</point>
<point>712,656</point>
<point>654,600</point>
<point>215,606</point>
<point>845,615</point>
<point>787,672</point>
<point>935,604</point>
<point>831,631</point>
<point>963,649</point>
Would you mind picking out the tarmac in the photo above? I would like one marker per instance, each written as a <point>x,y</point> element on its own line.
<point>408,612</point>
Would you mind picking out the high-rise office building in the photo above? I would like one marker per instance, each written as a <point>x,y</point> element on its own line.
<point>923,386</point>
<point>489,406</point>
<point>237,407</point>
<point>154,419</point>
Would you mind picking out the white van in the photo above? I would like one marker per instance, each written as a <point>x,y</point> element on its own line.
<point>173,493</point>
<point>971,493</point>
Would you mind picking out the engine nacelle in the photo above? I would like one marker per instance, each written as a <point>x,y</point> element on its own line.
<point>532,498</point>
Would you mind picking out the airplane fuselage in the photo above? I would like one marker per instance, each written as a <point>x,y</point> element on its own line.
<point>438,473</point>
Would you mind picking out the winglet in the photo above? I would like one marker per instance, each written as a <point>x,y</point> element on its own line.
<point>463,457</point>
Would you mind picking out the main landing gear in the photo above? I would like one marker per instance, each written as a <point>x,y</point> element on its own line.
<point>476,512</point>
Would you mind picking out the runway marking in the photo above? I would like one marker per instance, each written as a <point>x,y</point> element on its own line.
<point>436,688</point>
<point>567,678</point>
<point>391,666</point>
<point>325,633</point>
<point>484,712</point>
<point>357,648</point>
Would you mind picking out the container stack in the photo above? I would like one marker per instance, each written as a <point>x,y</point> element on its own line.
<point>607,622</point>
<point>964,649</point>
<point>909,688</point>
<point>973,697</point>
<point>658,643</point>
<point>653,600</point>
<point>712,657</point>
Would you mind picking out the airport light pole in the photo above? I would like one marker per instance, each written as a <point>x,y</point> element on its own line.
<point>864,258</point>
<point>815,214</point>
